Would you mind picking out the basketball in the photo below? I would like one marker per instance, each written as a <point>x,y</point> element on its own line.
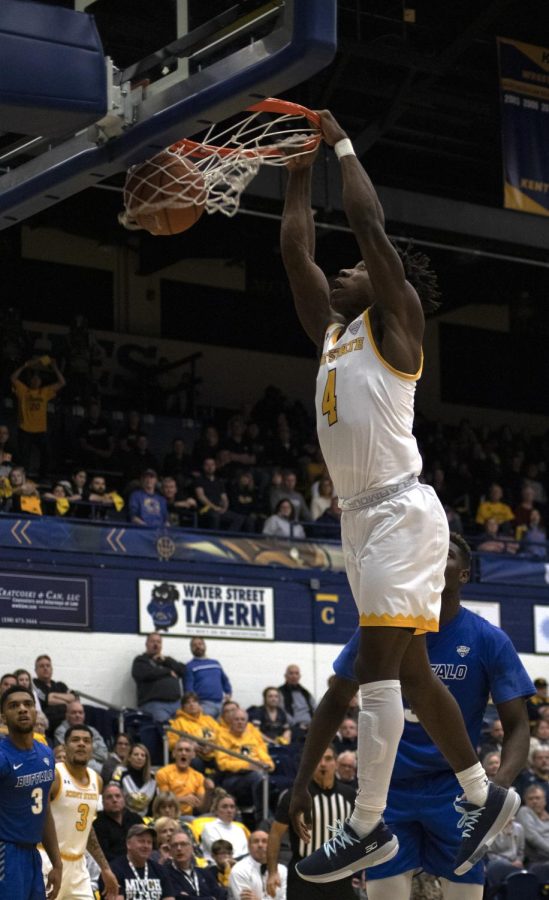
<point>166,195</point>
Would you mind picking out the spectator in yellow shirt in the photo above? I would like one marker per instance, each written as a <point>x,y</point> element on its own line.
<point>32,411</point>
<point>189,786</point>
<point>229,709</point>
<point>494,507</point>
<point>238,777</point>
<point>192,720</point>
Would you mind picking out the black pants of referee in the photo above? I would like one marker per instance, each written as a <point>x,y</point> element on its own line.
<point>298,889</point>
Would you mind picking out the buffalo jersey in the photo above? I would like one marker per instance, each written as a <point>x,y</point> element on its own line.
<point>74,808</point>
<point>474,659</point>
<point>364,412</point>
<point>26,777</point>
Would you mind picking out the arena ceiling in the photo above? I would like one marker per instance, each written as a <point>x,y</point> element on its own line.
<point>415,84</point>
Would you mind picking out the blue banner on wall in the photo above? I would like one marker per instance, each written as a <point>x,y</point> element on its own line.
<point>169,544</point>
<point>524,90</point>
<point>43,601</point>
<point>506,570</point>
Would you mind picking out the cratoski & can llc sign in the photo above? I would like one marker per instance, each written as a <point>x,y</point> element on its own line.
<point>44,601</point>
<point>199,608</point>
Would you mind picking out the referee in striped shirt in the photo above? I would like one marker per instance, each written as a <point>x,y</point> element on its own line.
<point>332,802</point>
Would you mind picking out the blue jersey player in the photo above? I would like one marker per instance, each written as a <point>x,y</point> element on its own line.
<point>474,660</point>
<point>27,770</point>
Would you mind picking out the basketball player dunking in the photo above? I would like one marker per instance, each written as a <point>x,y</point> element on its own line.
<point>74,797</point>
<point>369,329</point>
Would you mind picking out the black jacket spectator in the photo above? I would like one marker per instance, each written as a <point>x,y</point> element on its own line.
<point>178,463</point>
<point>46,687</point>
<point>201,883</point>
<point>270,728</point>
<point>111,833</point>
<point>154,678</point>
<point>139,459</point>
<point>328,525</point>
<point>213,502</point>
<point>287,692</point>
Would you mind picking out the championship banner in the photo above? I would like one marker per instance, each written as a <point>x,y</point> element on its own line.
<point>192,608</point>
<point>43,601</point>
<point>524,94</point>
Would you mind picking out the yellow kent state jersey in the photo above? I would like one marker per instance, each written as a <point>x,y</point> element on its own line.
<point>74,808</point>
<point>365,412</point>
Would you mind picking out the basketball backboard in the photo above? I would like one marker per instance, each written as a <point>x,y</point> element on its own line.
<point>244,54</point>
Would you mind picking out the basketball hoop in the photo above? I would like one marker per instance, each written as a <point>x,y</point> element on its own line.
<point>222,164</point>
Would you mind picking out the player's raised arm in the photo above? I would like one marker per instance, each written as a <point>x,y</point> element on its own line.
<point>394,296</point>
<point>297,241</point>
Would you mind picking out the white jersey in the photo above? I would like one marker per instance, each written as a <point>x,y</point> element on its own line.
<point>74,808</point>
<point>365,412</point>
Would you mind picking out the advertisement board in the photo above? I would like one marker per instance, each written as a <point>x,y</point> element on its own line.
<point>206,609</point>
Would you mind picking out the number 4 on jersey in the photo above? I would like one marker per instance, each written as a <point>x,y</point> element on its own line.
<point>329,398</point>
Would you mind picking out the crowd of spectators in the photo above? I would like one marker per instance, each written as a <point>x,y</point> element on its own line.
<point>205,807</point>
<point>255,470</point>
<point>524,843</point>
<point>209,798</point>
<point>200,819</point>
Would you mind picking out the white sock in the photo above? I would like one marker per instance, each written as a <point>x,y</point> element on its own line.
<point>474,783</point>
<point>380,726</point>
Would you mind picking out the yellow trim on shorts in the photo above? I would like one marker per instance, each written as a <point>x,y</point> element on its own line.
<point>384,362</point>
<point>71,857</point>
<point>419,623</point>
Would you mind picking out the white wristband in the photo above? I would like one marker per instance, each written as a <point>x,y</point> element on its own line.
<point>344,148</point>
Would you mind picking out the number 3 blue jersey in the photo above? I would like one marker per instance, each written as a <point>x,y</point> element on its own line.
<point>26,777</point>
<point>474,659</point>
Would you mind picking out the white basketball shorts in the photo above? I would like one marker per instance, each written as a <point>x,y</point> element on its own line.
<point>395,556</point>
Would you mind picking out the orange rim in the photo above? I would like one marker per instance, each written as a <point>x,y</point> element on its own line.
<point>269,105</point>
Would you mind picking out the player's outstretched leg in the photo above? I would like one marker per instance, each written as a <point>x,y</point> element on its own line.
<point>486,808</point>
<point>365,840</point>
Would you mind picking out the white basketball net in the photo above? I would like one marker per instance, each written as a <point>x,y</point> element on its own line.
<point>227,161</point>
